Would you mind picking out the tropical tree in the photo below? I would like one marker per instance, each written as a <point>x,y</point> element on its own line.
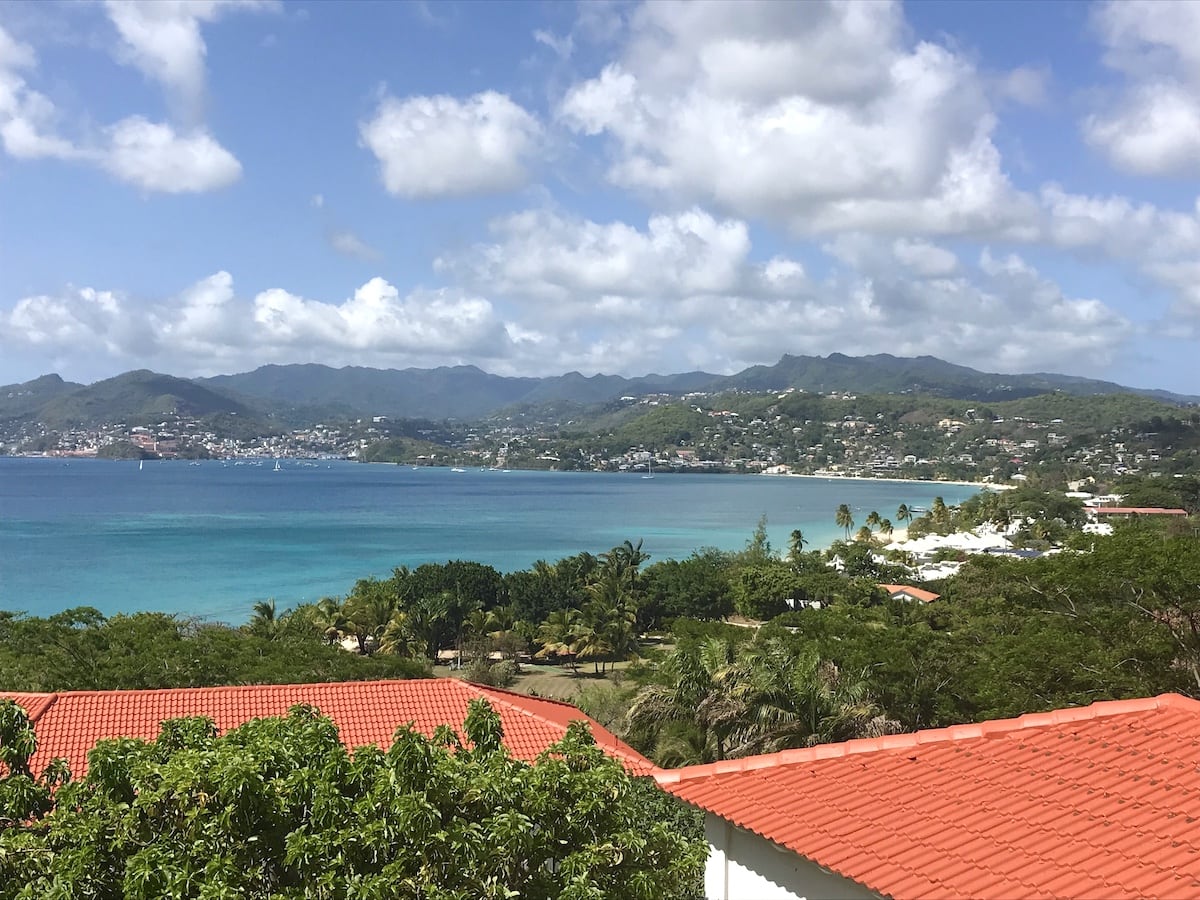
<point>796,544</point>
<point>903,514</point>
<point>279,808</point>
<point>786,699</point>
<point>886,527</point>
<point>873,520</point>
<point>265,621</point>
<point>844,519</point>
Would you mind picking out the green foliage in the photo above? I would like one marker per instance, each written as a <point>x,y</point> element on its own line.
<point>278,808</point>
<point>80,649</point>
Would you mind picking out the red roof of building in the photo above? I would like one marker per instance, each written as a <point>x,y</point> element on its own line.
<point>1098,801</point>
<point>69,724</point>
<point>915,592</point>
<point>1134,510</point>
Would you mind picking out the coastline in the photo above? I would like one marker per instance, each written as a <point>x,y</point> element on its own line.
<point>977,484</point>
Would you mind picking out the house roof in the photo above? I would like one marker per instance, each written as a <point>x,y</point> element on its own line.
<point>1096,801</point>
<point>915,592</point>
<point>69,724</point>
<point>1133,510</point>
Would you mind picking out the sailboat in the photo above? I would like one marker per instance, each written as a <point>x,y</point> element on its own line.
<point>649,470</point>
<point>277,469</point>
<point>141,462</point>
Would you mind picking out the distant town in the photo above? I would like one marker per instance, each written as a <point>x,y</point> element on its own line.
<point>838,434</point>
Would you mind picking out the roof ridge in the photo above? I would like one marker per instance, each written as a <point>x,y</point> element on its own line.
<point>43,701</point>
<point>969,731</point>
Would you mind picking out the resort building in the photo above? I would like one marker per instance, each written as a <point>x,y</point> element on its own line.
<point>1124,512</point>
<point>1097,801</point>
<point>69,724</point>
<point>908,592</point>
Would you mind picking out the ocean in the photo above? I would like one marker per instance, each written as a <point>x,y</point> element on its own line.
<point>211,539</point>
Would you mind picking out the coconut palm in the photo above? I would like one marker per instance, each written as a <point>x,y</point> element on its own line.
<point>796,544</point>
<point>844,519</point>
<point>789,700</point>
<point>265,622</point>
<point>873,520</point>
<point>691,696</point>
<point>864,535</point>
<point>885,527</point>
<point>903,513</point>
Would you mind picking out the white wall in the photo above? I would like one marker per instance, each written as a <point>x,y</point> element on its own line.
<point>743,866</point>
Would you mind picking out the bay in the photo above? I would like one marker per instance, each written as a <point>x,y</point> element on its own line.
<point>211,539</point>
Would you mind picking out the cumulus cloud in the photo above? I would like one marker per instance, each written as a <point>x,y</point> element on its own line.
<point>207,328</point>
<point>442,146</point>
<point>162,39</point>
<point>154,157</point>
<point>611,297</point>
<point>165,41</point>
<point>27,117</point>
<point>1153,126</point>
<point>822,116</point>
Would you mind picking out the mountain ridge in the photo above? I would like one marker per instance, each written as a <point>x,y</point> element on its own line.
<point>303,391</point>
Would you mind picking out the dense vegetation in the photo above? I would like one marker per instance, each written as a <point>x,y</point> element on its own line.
<point>80,649</point>
<point>278,808</point>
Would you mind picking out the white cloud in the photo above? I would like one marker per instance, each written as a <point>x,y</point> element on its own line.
<point>162,39</point>
<point>27,118</point>
<point>1153,126</point>
<point>149,155</point>
<point>441,146</point>
<point>207,329</point>
<point>1027,85</point>
<point>350,244</point>
<point>154,157</point>
<point>544,256</point>
<point>822,116</point>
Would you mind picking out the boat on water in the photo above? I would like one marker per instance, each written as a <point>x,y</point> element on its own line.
<point>649,470</point>
<point>457,469</point>
<point>141,463</point>
<point>277,468</point>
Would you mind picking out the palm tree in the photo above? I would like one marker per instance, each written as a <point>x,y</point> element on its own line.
<point>873,520</point>
<point>265,621</point>
<point>938,511</point>
<point>330,619</point>
<point>864,535</point>
<point>789,700</point>
<point>692,696</point>
<point>844,519</point>
<point>558,634</point>
<point>796,545</point>
<point>903,513</point>
<point>885,527</point>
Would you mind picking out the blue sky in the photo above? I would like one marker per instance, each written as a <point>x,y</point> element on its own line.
<point>202,187</point>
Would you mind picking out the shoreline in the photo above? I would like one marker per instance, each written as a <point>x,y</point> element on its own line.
<point>978,484</point>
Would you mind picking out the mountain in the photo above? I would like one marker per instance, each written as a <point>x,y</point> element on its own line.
<point>459,392</point>
<point>137,396</point>
<point>887,374</point>
<point>19,400</point>
<point>300,394</point>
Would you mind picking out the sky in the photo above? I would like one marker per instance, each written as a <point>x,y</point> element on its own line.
<point>204,187</point>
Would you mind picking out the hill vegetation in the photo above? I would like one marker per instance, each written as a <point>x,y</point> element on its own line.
<point>305,394</point>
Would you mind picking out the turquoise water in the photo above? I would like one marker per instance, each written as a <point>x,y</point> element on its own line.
<point>211,539</point>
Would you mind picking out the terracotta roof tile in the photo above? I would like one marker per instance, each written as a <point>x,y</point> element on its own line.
<point>366,712</point>
<point>1101,800</point>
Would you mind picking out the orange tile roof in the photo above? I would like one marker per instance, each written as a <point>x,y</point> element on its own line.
<point>1097,801</point>
<point>918,593</point>
<point>366,712</point>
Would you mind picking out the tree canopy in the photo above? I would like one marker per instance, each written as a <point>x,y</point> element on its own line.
<point>279,808</point>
